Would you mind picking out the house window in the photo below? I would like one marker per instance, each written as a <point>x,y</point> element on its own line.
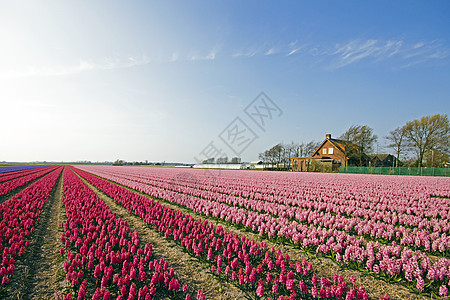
<point>330,150</point>
<point>324,151</point>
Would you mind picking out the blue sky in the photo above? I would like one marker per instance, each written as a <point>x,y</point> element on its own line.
<point>160,80</point>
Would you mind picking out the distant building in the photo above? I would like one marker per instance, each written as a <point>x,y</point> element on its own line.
<point>382,160</point>
<point>329,156</point>
<point>236,160</point>
<point>331,152</point>
<point>218,166</point>
<point>256,164</point>
<point>334,153</point>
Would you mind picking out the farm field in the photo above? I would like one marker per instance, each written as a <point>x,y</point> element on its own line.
<point>109,232</point>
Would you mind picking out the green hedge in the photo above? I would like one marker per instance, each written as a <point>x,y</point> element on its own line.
<point>397,171</point>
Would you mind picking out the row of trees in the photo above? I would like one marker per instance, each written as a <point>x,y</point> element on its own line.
<point>363,138</point>
<point>428,138</point>
<point>421,142</point>
<point>279,156</point>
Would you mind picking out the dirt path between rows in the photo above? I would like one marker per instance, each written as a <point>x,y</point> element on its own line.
<point>187,269</point>
<point>39,271</point>
<point>322,266</point>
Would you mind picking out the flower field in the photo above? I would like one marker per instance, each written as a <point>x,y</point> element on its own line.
<point>394,228</point>
<point>238,225</point>
<point>11,169</point>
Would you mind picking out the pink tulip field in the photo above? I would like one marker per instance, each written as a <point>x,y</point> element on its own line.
<point>236,224</point>
<point>391,227</point>
<point>252,266</point>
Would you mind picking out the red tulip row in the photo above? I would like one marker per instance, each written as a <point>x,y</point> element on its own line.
<point>10,185</point>
<point>103,259</point>
<point>251,266</point>
<point>12,175</point>
<point>18,217</point>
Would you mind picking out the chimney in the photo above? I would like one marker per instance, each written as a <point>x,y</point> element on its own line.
<point>328,136</point>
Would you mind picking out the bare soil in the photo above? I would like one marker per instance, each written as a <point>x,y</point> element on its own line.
<point>38,273</point>
<point>187,269</point>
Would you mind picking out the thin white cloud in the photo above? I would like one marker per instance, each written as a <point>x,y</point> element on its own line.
<point>174,57</point>
<point>292,44</point>
<point>402,54</point>
<point>271,51</point>
<point>373,50</point>
<point>293,52</point>
<point>418,45</point>
<point>294,48</point>
<point>439,54</point>
<point>423,52</point>
<point>248,53</point>
<point>82,66</point>
<point>210,56</point>
<point>356,50</point>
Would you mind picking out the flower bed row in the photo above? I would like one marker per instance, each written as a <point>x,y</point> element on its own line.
<point>431,239</point>
<point>384,195</point>
<point>392,262</point>
<point>8,186</point>
<point>103,258</point>
<point>12,175</point>
<point>17,169</point>
<point>18,217</point>
<point>251,266</point>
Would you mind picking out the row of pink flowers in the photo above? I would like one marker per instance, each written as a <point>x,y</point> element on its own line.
<point>393,261</point>
<point>389,209</point>
<point>250,265</point>
<point>406,194</point>
<point>19,215</point>
<point>11,184</point>
<point>332,218</point>
<point>103,258</point>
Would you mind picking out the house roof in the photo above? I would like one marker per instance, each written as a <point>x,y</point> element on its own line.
<point>380,156</point>
<point>339,144</point>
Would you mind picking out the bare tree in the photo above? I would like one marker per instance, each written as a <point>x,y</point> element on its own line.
<point>263,157</point>
<point>307,149</point>
<point>396,139</point>
<point>428,133</point>
<point>273,156</point>
<point>362,136</point>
